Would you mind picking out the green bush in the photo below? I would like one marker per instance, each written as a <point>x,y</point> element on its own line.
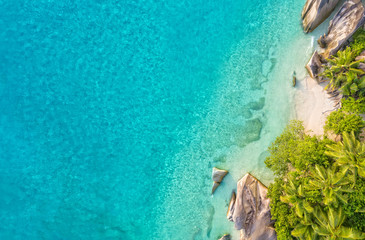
<point>356,203</point>
<point>339,121</point>
<point>281,212</point>
<point>294,147</point>
<point>310,189</point>
<point>358,45</point>
<point>352,105</point>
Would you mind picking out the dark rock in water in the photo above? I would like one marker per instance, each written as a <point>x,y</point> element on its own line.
<point>231,207</point>
<point>252,211</point>
<point>226,237</point>
<point>314,66</point>
<point>215,186</point>
<point>315,12</point>
<point>217,176</point>
<point>344,24</point>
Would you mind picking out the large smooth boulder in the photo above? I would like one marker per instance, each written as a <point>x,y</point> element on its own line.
<point>315,12</point>
<point>314,66</point>
<point>231,207</point>
<point>252,211</point>
<point>344,24</point>
<point>217,176</point>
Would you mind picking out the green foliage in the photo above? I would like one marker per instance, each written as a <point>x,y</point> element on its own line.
<point>339,121</point>
<point>329,224</point>
<point>352,105</point>
<point>354,85</point>
<point>354,209</point>
<point>349,154</point>
<point>331,184</point>
<point>281,212</point>
<point>296,148</point>
<point>358,45</point>
<point>295,195</point>
<point>342,71</point>
<point>315,195</point>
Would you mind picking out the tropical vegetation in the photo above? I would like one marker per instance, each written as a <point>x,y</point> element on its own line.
<point>319,189</point>
<point>344,72</point>
<point>315,194</point>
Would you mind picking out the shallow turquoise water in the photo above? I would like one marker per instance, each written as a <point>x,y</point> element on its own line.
<point>114,112</point>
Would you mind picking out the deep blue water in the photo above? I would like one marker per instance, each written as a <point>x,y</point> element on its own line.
<point>114,112</point>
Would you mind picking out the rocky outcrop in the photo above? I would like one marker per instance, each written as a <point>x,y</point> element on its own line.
<point>344,24</point>
<point>314,66</point>
<point>226,237</point>
<point>361,66</point>
<point>251,214</point>
<point>231,207</point>
<point>361,56</point>
<point>315,12</point>
<point>217,176</point>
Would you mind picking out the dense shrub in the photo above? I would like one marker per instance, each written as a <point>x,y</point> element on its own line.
<point>281,212</point>
<point>356,204</point>
<point>339,121</point>
<point>358,45</point>
<point>352,105</point>
<point>294,147</point>
<point>310,187</point>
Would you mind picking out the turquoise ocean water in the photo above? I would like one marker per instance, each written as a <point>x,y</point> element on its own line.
<point>113,113</point>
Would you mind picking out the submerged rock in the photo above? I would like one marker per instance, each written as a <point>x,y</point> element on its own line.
<point>226,237</point>
<point>217,176</point>
<point>251,214</point>
<point>315,12</point>
<point>314,66</point>
<point>250,132</point>
<point>344,24</point>
<point>258,105</point>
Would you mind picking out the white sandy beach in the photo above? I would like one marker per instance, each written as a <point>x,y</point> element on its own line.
<point>312,105</point>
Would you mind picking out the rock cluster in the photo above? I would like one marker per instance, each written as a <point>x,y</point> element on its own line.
<point>250,210</point>
<point>349,18</point>
<point>217,176</point>
<point>315,12</point>
<point>344,24</point>
<point>314,66</point>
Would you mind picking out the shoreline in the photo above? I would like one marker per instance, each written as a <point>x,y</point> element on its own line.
<point>312,105</point>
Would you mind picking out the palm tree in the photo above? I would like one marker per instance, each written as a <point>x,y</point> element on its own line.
<point>295,196</point>
<point>329,225</point>
<point>354,86</point>
<point>340,66</point>
<point>349,154</point>
<point>330,183</point>
<point>305,232</point>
